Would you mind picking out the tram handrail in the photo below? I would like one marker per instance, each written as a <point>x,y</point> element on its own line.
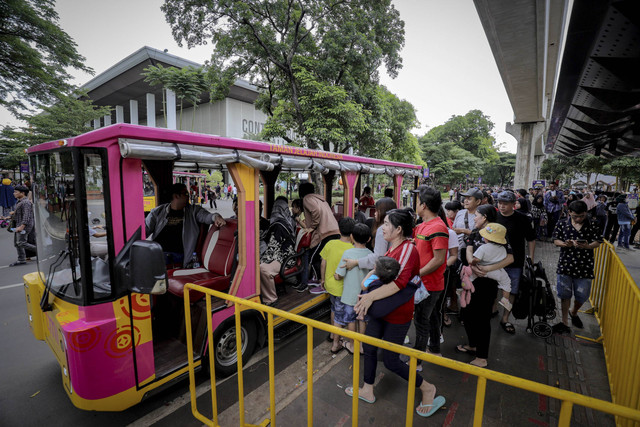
<point>568,398</point>
<point>615,298</point>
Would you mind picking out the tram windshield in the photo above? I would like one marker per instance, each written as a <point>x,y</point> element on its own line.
<point>54,199</point>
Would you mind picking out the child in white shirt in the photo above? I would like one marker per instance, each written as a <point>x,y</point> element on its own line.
<point>493,252</point>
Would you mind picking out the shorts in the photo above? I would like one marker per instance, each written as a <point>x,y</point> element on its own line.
<point>579,288</point>
<point>343,314</point>
<point>514,275</point>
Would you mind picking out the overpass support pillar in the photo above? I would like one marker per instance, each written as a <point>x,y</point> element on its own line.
<point>526,134</point>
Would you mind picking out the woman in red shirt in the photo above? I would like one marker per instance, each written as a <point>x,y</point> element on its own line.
<point>397,230</point>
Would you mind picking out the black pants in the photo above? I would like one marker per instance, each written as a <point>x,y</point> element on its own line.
<point>552,220</point>
<point>316,259</point>
<point>212,203</point>
<point>634,231</point>
<point>611,231</point>
<point>477,315</point>
<point>391,332</point>
<point>427,318</point>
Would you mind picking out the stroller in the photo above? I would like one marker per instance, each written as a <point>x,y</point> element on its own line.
<point>535,299</point>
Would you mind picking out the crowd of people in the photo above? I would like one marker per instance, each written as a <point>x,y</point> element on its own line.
<point>464,258</point>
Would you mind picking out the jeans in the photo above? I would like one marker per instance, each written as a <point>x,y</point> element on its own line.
<point>390,332</point>
<point>623,238</point>
<point>427,317</point>
<point>477,315</point>
<point>21,243</point>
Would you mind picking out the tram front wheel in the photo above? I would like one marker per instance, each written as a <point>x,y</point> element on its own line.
<point>226,355</point>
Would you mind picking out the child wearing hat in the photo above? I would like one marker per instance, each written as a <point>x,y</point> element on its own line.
<point>492,252</point>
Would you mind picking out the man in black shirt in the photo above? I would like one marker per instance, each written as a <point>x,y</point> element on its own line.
<point>519,231</point>
<point>176,226</point>
<point>577,237</point>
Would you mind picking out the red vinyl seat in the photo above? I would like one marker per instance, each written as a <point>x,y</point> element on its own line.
<point>217,259</point>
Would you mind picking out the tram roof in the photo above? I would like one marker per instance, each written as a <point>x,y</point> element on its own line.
<point>206,151</point>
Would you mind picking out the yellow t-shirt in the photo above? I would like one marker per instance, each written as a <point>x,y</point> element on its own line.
<point>332,253</point>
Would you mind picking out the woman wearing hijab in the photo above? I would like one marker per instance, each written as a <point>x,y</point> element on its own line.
<point>280,238</point>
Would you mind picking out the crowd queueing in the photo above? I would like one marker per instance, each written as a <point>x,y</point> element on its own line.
<point>464,258</point>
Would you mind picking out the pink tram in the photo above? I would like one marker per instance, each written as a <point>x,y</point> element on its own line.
<point>104,301</point>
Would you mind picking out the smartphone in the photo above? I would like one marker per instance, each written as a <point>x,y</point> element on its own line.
<point>581,241</point>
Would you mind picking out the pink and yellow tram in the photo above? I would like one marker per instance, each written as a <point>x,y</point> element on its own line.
<point>107,306</point>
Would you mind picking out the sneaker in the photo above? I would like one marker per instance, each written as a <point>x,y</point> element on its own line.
<point>17,263</point>
<point>560,328</point>
<point>301,287</point>
<point>317,290</point>
<point>505,303</point>
<point>575,321</point>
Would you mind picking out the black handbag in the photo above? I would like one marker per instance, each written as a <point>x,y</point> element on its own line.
<point>12,225</point>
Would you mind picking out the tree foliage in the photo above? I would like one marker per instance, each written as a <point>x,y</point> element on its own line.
<point>35,54</point>
<point>502,171</point>
<point>315,61</point>
<point>187,83</point>
<point>462,146</point>
<point>70,115</point>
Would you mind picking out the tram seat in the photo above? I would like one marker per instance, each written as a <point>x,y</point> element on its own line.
<point>370,212</point>
<point>303,241</point>
<point>217,259</point>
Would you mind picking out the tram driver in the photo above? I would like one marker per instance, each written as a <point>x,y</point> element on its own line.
<point>175,226</point>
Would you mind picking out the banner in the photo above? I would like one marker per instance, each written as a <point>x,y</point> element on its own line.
<point>539,183</point>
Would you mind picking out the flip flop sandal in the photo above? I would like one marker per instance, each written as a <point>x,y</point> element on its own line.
<point>349,392</point>
<point>344,345</point>
<point>478,366</point>
<point>460,348</point>
<point>508,328</point>
<point>338,350</point>
<point>437,403</point>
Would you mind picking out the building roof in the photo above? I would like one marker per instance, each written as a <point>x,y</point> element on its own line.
<point>124,81</point>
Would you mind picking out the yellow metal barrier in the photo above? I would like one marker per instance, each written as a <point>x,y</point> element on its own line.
<point>568,398</point>
<point>615,298</point>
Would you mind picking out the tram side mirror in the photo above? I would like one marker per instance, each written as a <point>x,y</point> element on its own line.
<point>147,270</point>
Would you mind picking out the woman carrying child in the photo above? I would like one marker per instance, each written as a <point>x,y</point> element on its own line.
<point>397,229</point>
<point>477,313</point>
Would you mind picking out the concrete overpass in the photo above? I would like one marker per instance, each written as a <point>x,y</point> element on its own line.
<point>572,74</point>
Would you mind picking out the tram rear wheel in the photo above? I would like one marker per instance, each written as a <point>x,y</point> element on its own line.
<point>226,356</point>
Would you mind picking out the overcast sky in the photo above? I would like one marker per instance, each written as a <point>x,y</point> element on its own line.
<point>448,68</point>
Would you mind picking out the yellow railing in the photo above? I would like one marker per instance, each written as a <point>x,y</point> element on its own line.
<point>568,398</point>
<point>615,298</point>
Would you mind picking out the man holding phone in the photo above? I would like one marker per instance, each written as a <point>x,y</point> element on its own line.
<point>577,237</point>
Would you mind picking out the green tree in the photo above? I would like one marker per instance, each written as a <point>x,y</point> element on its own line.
<point>315,61</point>
<point>501,172</point>
<point>70,115</point>
<point>626,169</point>
<point>449,163</point>
<point>559,168</point>
<point>35,54</point>
<point>471,132</point>
<point>589,164</point>
<point>187,83</point>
